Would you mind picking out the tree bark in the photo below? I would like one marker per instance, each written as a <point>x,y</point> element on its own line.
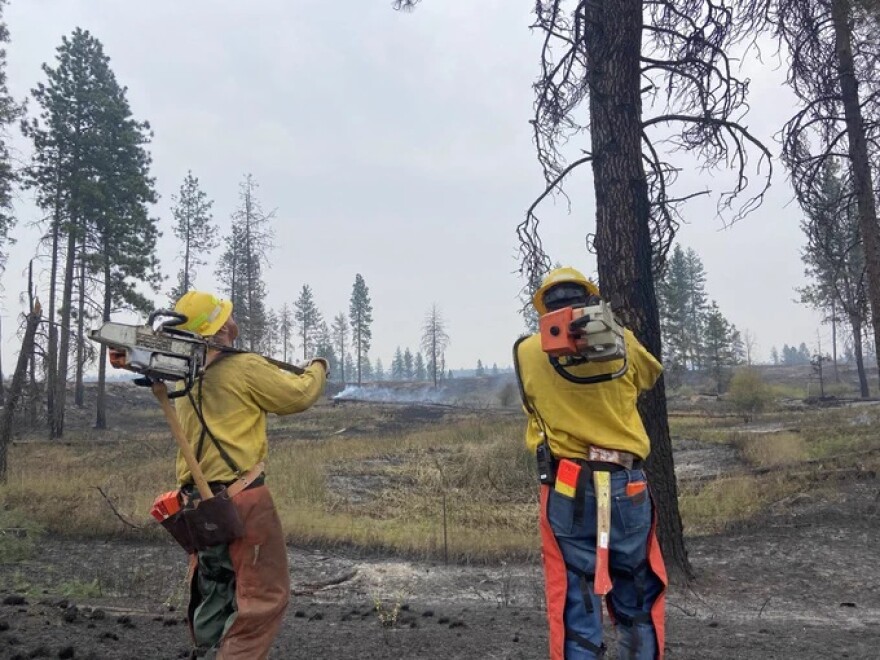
<point>15,388</point>
<point>858,153</point>
<point>856,325</point>
<point>56,429</point>
<point>32,389</point>
<point>623,240</point>
<point>79,389</point>
<point>101,403</point>
<point>50,360</point>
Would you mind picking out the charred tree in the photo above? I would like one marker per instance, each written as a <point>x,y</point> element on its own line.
<point>622,56</point>
<point>17,385</point>
<point>832,49</point>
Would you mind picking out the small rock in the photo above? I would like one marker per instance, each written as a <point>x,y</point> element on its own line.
<point>516,638</point>
<point>4,626</point>
<point>169,622</point>
<point>66,652</point>
<point>404,608</point>
<point>98,614</point>
<point>847,604</point>
<point>70,614</point>
<point>62,604</point>
<point>428,613</point>
<point>14,599</point>
<point>458,624</point>
<point>316,617</point>
<point>110,635</point>
<point>443,620</point>
<point>713,624</point>
<point>123,619</point>
<point>299,614</point>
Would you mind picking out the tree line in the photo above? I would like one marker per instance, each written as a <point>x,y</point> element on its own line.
<point>90,175</point>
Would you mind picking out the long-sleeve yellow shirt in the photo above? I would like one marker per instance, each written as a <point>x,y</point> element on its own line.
<point>573,417</point>
<point>237,392</point>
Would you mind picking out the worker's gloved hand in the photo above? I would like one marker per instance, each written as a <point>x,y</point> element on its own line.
<point>322,361</point>
<point>308,363</point>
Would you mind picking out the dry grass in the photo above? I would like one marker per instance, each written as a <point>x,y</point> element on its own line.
<point>385,490</point>
<point>726,501</point>
<point>772,449</point>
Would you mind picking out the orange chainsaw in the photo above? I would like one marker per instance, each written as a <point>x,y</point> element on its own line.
<point>575,335</point>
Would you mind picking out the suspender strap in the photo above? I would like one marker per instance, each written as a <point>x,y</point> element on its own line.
<point>207,431</point>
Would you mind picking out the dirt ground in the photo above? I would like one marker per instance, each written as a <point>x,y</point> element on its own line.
<point>801,582</point>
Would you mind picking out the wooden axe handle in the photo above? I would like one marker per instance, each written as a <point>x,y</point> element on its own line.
<point>160,390</point>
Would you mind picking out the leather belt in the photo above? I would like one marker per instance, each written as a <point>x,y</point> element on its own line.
<point>242,483</point>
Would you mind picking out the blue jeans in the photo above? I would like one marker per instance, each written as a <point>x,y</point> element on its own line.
<point>635,587</point>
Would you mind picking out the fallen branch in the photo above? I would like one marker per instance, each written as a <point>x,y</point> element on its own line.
<point>113,508</point>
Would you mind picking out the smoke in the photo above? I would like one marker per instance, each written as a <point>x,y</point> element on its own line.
<point>425,394</point>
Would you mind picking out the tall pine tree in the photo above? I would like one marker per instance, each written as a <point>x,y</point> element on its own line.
<point>194,229</point>
<point>308,320</point>
<point>360,315</point>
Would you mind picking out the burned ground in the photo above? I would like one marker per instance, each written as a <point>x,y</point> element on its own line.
<point>796,579</point>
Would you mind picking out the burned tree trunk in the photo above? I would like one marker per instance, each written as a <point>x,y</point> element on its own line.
<point>17,385</point>
<point>858,152</point>
<point>623,233</point>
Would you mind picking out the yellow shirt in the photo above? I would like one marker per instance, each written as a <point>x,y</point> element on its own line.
<point>578,416</point>
<point>238,391</point>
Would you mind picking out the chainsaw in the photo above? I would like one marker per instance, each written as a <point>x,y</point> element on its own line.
<point>575,335</point>
<point>160,351</point>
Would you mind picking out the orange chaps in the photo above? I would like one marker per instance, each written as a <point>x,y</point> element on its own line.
<point>557,583</point>
<point>262,579</point>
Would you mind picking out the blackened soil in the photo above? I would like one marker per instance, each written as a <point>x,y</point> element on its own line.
<point>801,582</point>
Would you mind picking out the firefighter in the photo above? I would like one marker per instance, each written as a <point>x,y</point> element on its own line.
<point>578,430</point>
<point>238,592</point>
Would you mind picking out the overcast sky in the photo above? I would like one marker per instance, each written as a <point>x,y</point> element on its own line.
<point>392,145</point>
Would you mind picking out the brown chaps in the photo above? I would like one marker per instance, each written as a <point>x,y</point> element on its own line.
<point>262,579</point>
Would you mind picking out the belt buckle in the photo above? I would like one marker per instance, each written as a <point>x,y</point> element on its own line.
<point>611,456</point>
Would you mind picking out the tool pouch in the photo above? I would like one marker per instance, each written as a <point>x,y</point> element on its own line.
<point>213,522</point>
<point>176,525</point>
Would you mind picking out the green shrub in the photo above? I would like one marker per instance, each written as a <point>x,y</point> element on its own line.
<point>748,392</point>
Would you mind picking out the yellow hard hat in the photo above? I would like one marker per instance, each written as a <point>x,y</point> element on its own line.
<point>205,312</point>
<point>558,276</point>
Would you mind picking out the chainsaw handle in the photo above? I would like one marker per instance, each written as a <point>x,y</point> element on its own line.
<point>145,381</point>
<point>173,318</point>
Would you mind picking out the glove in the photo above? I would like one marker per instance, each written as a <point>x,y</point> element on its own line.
<point>322,361</point>
<point>304,364</point>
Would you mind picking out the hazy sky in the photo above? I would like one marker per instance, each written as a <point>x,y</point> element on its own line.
<point>392,145</point>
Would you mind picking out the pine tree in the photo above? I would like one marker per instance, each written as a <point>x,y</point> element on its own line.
<point>419,368</point>
<point>286,328</point>
<point>494,368</point>
<point>339,332</point>
<point>10,112</point>
<point>240,268</point>
<point>379,371</point>
<point>774,355</point>
<point>434,342</point>
<point>718,352</point>
<point>91,173</point>
<point>360,315</point>
<point>480,370</point>
<point>308,320</point>
<point>835,261</point>
<point>398,370</point>
<point>366,368</point>
<point>408,366</point>
<point>194,229</point>
<point>349,364</point>
<point>324,348</point>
